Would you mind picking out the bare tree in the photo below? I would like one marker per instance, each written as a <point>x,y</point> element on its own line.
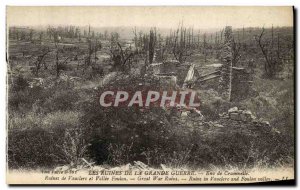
<point>205,47</point>
<point>152,42</point>
<point>181,49</point>
<point>271,60</point>
<point>53,33</point>
<point>120,58</point>
<point>41,36</point>
<point>31,32</point>
<point>39,62</point>
<point>60,65</point>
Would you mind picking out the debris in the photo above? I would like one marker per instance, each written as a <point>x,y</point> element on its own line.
<point>265,123</point>
<point>189,76</point>
<point>140,165</point>
<point>245,116</point>
<point>218,125</point>
<point>213,124</point>
<point>234,109</point>
<point>184,113</point>
<point>163,167</point>
<point>86,162</point>
<point>36,82</point>
<point>234,116</point>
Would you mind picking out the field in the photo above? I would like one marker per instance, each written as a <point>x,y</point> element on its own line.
<point>55,76</point>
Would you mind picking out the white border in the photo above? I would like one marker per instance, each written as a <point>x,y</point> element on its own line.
<point>3,4</point>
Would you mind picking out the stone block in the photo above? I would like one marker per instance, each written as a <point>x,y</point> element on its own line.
<point>234,109</point>
<point>234,116</point>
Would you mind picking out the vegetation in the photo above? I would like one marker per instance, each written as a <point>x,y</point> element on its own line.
<point>55,77</point>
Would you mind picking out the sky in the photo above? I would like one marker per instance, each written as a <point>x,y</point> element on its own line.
<point>161,17</point>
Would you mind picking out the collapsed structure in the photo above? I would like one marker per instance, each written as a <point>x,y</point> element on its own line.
<point>233,83</point>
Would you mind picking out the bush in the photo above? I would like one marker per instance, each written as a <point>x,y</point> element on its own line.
<point>59,119</point>
<point>154,136</point>
<point>32,148</point>
<point>275,103</point>
<point>212,104</point>
<point>61,100</point>
<point>53,120</point>
<point>29,121</point>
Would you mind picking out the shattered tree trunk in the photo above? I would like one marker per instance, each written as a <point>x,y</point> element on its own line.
<point>189,77</point>
<point>226,69</point>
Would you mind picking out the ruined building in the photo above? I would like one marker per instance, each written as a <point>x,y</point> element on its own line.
<point>225,79</point>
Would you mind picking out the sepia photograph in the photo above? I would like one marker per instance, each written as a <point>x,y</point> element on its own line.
<point>143,95</point>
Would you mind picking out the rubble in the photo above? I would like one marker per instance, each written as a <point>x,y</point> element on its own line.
<point>36,82</point>
<point>213,124</point>
<point>140,165</point>
<point>240,115</point>
<point>167,81</point>
<point>243,116</point>
<point>234,109</point>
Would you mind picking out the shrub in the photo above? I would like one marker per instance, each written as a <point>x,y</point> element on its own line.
<point>29,121</point>
<point>60,119</point>
<point>32,148</point>
<point>61,100</point>
<point>73,148</point>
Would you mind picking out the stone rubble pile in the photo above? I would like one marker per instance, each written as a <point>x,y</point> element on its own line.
<point>243,115</point>
<point>53,81</point>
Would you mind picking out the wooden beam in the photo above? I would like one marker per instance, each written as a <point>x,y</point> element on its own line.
<point>213,77</point>
<point>215,72</point>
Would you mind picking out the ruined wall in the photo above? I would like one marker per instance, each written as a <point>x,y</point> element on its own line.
<point>168,70</point>
<point>226,69</point>
<point>241,84</point>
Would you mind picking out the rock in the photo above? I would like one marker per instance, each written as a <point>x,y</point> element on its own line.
<point>247,112</point>
<point>212,124</point>
<point>243,117</point>
<point>234,109</point>
<point>234,116</point>
<point>184,114</point>
<point>36,82</point>
<point>74,79</point>
<point>246,117</point>
<point>266,123</point>
<point>218,125</point>
<point>253,117</point>
<point>224,115</point>
<point>249,119</point>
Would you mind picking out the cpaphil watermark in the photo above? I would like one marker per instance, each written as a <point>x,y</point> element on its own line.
<point>149,98</point>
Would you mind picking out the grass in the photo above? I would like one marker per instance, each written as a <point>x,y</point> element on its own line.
<point>41,118</point>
